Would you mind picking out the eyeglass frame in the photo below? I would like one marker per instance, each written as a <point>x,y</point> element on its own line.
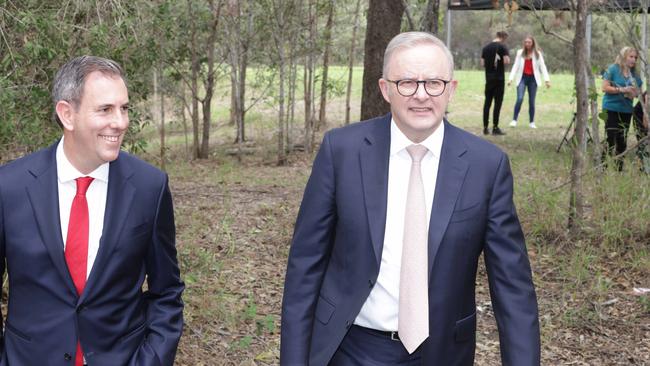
<point>418,82</point>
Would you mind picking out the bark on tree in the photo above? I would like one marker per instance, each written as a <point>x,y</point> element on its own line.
<point>384,20</point>
<point>293,76</point>
<point>238,45</point>
<point>243,69</point>
<point>209,83</point>
<point>327,38</point>
<point>348,94</point>
<point>161,96</point>
<point>430,20</point>
<point>279,38</point>
<point>593,107</point>
<point>194,60</point>
<point>309,77</point>
<point>576,200</point>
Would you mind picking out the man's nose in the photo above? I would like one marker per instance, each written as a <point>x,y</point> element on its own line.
<point>421,92</point>
<point>120,119</point>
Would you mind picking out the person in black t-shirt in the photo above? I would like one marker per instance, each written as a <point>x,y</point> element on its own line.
<point>493,57</point>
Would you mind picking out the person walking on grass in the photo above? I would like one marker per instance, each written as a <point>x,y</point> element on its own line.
<point>493,57</point>
<point>528,71</point>
<point>621,84</point>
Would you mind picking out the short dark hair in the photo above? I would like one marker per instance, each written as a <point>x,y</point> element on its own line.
<point>502,34</point>
<point>69,81</point>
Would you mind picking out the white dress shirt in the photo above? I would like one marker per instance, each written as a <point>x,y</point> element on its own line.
<point>96,197</point>
<point>381,307</point>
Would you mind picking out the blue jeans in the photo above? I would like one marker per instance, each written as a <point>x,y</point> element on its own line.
<point>527,81</point>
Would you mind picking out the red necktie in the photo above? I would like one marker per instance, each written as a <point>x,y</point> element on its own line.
<point>76,244</point>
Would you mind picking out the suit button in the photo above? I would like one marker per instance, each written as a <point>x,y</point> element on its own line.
<point>370,283</point>
<point>348,324</point>
<point>67,357</point>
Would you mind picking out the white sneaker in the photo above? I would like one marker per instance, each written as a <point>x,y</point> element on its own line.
<point>532,125</point>
<point>513,123</point>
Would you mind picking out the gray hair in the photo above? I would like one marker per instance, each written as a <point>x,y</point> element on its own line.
<point>411,39</point>
<point>69,80</point>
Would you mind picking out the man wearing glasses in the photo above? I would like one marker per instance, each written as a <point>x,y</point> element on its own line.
<point>395,215</point>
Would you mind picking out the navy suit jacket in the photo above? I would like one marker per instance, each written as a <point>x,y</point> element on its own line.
<point>116,322</point>
<point>336,251</point>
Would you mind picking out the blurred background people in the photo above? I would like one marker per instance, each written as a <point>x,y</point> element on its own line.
<point>528,71</point>
<point>493,57</point>
<point>621,84</point>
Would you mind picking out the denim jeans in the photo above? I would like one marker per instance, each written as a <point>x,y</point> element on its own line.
<point>527,81</point>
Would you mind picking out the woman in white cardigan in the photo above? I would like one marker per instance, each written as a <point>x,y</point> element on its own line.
<point>528,71</point>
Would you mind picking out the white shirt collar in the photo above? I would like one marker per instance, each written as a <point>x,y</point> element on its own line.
<point>399,141</point>
<point>67,172</point>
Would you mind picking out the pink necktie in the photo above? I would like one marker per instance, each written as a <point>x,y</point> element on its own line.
<point>76,244</point>
<point>413,314</point>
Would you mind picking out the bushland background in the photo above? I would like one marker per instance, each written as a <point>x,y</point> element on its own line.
<point>228,99</point>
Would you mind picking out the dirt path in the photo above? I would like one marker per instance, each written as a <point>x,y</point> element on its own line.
<point>234,227</point>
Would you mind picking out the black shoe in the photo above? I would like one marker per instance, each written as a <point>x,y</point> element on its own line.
<point>497,131</point>
<point>486,131</point>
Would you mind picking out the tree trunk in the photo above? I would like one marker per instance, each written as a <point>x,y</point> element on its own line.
<point>326,60</point>
<point>593,106</point>
<point>243,68</point>
<point>348,94</point>
<point>182,108</point>
<point>293,76</point>
<point>430,19</point>
<point>235,68</point>
<point>279,35</point>
<point>309,78</point>
<point>209,83</point>
<point>161,92</point>
<point>576,201</point>
<point>194,59</point>
<point>384,20</point>
<point>233,92</point>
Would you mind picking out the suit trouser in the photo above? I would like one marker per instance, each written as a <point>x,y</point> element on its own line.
<point>641,132</point>
<point>364,347</point>
<point>616,128</point>
<point>494,90</point>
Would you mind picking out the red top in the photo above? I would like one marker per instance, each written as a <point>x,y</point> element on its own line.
<point>528,66</point>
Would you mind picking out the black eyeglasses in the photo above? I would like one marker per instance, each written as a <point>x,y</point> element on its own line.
<point>408,87</point>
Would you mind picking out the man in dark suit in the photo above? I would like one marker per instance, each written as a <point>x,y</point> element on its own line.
<point>82,225</point>
<point>395,215</point>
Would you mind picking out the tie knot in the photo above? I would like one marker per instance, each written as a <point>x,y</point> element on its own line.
<point>82,185</point>
<point>417,152</point>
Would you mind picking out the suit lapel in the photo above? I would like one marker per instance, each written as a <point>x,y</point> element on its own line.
<point>119,198</point>
<point>451,174</point>
<point>373,159</point>
<point>43,195</point>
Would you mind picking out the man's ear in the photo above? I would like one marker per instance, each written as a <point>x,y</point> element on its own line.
<point>453,84</point>
<point>383,86</point>
<point>65,112</point>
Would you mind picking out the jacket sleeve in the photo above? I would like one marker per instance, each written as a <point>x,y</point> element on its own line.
<point>308,259</point>
<point>516,66</point>
<point>509,275</point>
<point>164,304</point>
<point>542,67</point>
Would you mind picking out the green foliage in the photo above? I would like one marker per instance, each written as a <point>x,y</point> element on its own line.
<point>38,38</point>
